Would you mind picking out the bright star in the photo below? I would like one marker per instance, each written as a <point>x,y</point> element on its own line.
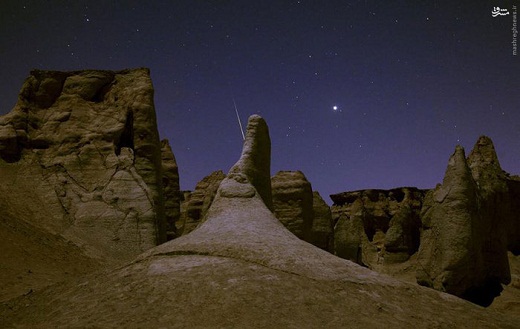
<point>335,108</point>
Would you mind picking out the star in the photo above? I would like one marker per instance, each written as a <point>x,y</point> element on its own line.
<point>334,108</point>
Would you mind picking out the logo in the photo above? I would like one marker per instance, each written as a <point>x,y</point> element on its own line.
<point>497,11</point>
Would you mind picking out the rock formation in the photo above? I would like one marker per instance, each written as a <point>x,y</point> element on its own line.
<point>197,203</point>
<point>513,225</point>
<point>83,149</point>
<point>449,257</point>
<point>377,227</point>
<point>242,268</point>
<point>464,242</point>
<point>293,202</point>
<point>300,210</point>
<point>257,150</point>
<point>322,231</point>
<point>171,189</point>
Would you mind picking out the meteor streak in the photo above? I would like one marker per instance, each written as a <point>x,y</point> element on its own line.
<point>239,122</point>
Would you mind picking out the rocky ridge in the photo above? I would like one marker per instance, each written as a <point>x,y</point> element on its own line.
<point>242,267</point>
<point>86,183</point>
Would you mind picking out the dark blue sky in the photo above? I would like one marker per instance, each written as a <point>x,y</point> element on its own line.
<point>410,79</point>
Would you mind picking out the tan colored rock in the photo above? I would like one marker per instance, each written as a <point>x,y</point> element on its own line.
<point>495,209</point>
<point>470,222</point>
<point>197,203</point>
<point>349,234</point>
<point>171,189</point>
<point>322,231</point>
<point>257,150</point>
<point>377,227</point>
<point>293,202</point>
<point>453,254</point>
<point>242,268</point>
<point>86,145</point>
<point>9,146</point>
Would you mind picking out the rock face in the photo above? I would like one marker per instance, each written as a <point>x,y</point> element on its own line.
<point>197,203</point>
<point>171,189</point>
<point>464,242</point>
<point>513,225</point>
<point>377,227</point>
<point>242,268</point>
<point>449,247</point>
<point>84,148</point>
<point>293,202</point>
<point>322,231</point>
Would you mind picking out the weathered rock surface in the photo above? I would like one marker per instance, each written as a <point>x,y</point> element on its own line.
<point>464,242</point>
<point>322,231</point>
<point>449,257</point>
<point>495,211</point>
<point>257,150</point>
<point>377,227</point>
<point>242,268</point>
<point>513,225</point>
<point>293,202</point>
<point>299,209</point>
<point>32,258</point>
<point>171,189</point>
<point>196,203</point>
<point>84,148</point>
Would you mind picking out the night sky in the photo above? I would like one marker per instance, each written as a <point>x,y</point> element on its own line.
<point>357,94</point>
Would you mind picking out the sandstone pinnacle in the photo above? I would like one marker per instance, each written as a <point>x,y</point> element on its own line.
<point>255,162</point>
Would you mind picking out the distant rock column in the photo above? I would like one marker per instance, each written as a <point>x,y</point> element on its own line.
<point>377,227</point>
<point>293,202</point>
<point>463,243</point>
<point>495,211</point>
<point>449,257</point>
<point>322,231</point>
<point>349,234</point>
